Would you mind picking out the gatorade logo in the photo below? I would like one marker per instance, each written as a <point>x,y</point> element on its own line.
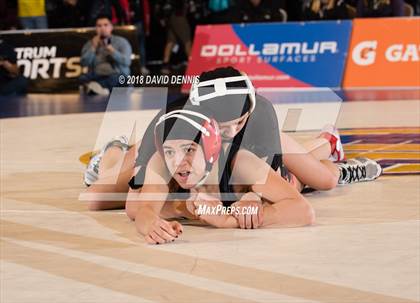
<point>365,53</point>
<point>403,53</point>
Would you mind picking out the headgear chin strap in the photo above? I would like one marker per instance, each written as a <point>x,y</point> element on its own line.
<point>211,140</point>
<point>220,89</point>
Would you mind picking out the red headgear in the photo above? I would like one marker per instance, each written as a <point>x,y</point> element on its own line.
<point>211,140</point>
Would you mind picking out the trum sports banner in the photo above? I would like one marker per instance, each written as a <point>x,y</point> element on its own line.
<point>384,53</point>
<point>50,59</point>
<point>300,55</point>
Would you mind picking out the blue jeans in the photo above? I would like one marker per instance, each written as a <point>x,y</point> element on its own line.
<point>39,22</point>
<point>105,81</point>
<point>142,42</point>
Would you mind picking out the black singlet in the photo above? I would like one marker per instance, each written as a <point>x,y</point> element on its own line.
<point>260,135</point>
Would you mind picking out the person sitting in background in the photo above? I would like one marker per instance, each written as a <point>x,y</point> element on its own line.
<point>261,10</point>
<point>325,10</point>
<point>107,57</point>
<point>380,8</point>
<point>32,14</point>
<point>11,82</point>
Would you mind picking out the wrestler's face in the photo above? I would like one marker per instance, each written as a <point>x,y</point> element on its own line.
<point>103,28</point>
<point>230,129</point>
<point>185,161</point>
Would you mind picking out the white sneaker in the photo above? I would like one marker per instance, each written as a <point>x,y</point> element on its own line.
<point>97,89</point>
<point>330,132</point>
<point>92,169</point>
<point>358,170</point>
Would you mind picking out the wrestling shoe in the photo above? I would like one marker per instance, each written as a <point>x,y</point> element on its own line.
<point>92,169</point>
<point>358,170</point>
<point>97,89</point>
<point>330,133</point>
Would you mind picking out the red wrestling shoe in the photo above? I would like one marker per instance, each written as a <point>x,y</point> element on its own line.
<point>330,132</point>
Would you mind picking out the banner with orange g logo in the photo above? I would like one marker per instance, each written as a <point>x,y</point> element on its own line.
<point>384,53</point>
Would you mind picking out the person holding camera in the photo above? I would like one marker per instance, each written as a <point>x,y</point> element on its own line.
<point>107,57</point>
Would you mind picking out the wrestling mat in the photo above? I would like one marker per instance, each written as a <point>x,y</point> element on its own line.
<point>396,149</point>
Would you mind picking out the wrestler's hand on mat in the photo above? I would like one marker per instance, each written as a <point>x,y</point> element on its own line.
<point>162,231</point>
<point>155,229</point>
<point>249,221</point>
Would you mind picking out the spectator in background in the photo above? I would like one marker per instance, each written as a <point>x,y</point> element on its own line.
<point>218,5</point>
<point>105,7</point>
<point>294,10</point>
<point>140,17</point>
<point>107,57</point>
<point>174,17</point>
<point>197,13</point>
<point>32,14</point>
<point>415,5</point>
<point>123,16</point>
<point>352,2</point>
<point>197,9</point>
<point>67,13</point>
<point>261,10</point>
<point>221,12</point>
<point>8,14</point>
<point>325,10</point>
<point>380,8</point>
<point>11,81</point>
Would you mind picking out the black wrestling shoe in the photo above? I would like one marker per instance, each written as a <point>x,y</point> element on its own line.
<point>358,170</point>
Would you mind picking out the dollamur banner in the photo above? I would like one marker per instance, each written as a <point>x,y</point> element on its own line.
<point>310,54</point>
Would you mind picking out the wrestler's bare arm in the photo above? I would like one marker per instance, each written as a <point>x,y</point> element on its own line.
<point>285,205</point>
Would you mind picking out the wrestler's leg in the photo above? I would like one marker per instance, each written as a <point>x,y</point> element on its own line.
<point>309,170</point>
<point>115,170</point>
<point>319,147</point>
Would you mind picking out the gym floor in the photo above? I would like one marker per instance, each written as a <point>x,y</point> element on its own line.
<point>364,246</point>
